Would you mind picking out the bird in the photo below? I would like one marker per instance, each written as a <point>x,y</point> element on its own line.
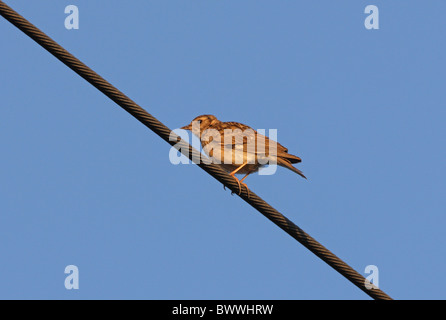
<point>238,148</point>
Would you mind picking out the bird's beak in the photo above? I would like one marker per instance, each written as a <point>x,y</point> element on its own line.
<point>188,127</point>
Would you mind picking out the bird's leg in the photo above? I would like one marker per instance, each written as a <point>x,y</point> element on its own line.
<point>241,181</point>
<point>238,181</point>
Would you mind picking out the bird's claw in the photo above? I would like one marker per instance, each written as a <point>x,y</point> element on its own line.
<point>239,187</point>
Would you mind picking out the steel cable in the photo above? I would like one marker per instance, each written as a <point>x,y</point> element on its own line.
<point>165,133</point>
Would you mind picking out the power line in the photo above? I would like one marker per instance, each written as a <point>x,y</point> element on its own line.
<point>164,132</point>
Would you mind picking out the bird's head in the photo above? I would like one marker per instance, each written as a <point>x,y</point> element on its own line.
<point>200,123</point>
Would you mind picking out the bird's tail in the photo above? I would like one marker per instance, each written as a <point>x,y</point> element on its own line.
<point>287,164</point>
<point>289,157</point>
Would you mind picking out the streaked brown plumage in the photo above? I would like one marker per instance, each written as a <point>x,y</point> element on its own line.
<point>244,158</point>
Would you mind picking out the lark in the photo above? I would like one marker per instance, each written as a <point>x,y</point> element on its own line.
<point>238,148</point>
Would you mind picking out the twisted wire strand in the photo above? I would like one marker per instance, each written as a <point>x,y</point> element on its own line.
<point>214,170</point>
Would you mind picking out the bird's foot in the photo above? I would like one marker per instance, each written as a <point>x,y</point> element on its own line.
<point>240,187</point>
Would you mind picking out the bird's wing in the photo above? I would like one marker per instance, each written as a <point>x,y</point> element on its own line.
<point>243,137</point>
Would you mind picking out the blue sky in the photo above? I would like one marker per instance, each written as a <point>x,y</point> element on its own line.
<point>83,183</point>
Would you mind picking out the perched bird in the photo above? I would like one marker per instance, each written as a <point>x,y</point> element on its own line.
<point>238,148</point>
